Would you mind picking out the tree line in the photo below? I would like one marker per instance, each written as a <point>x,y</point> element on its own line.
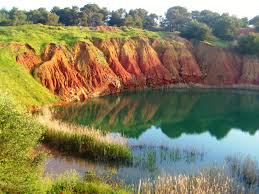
<point>193,25</point>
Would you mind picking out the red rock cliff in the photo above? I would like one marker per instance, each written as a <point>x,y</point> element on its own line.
<point>101,67</point>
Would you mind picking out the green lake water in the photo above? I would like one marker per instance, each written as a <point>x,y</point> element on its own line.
<point>170,131</point>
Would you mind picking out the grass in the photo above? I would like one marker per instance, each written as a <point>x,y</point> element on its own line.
<point>244,169</point>
<point>19,84</point>
<point>71,182</point>
<point>84,141</point>
<point>209,181</point>
<point>219,42</point>
<point>239,175</point>
<point>41,35</point>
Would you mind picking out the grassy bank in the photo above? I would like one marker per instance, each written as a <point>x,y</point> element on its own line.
<point>83,141</point>
<point>87,146</point>
<point>18,84</point>
<point>21,169</point>
<point>71,182</point>
<point>41,35</point>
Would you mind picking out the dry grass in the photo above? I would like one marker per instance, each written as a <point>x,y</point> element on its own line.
<point>206,182</point>
<point>244,169</point>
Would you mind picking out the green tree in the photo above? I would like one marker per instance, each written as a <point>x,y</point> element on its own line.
<point>4,17</point>
<point>254,20</point>
<point>196,30</point>
<point>244,22</point>
<point>117,17</point>
<point>38,16</point>
<point>43,16</point>
<point>92,15</point>
<point>150,21</point>
<point>129,21</point>
<point>225,27</point>
<point>52,19</point>
<point>68,16</point>
<point>138,17</point>
<point>208,17</point>
<point>17,17</point>
<point>176,18</point>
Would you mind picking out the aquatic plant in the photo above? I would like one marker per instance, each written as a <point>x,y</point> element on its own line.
<point>149,157</point>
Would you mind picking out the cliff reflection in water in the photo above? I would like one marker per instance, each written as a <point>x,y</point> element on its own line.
<point>175,111</point>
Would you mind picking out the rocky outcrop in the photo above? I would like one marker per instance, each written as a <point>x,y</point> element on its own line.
<point>225,67</point>
<point>178,59</point>
<point>28,57</point>
<point>250,71</point>
<point>219,66</point>
<point>99,67</point>
<point>59,74</point>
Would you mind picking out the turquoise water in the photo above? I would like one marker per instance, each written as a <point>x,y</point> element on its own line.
<point>170,131</point>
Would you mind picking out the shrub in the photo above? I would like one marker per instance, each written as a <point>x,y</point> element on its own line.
<point>19,134</point>
<point>248,44</point>
<point>196,30</point>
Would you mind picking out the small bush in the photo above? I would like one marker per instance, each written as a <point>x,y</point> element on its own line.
<point>196,30</point>
<point>19,134</point>
<point>248,44</point>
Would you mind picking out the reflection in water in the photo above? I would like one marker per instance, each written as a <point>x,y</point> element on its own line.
<point>170,131</point>
<point>175,111</point>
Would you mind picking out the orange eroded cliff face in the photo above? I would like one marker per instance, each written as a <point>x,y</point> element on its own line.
<point>59,75</point>
<point>179,60</point>
<point>100,67</point>
<point>219,66</point>
<point>28,58</point>
<point>250,71</point>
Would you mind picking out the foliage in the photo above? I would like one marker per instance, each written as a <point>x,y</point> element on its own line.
<point>254,20</point>
<point>223,26</point>
<point>19,134</point>
<point>117,17</point>
<point>249,44</point>
<point>176,18</point>
<point>68,16</point>
<point>196,30</point>
<point>42,16</point>
<point>226,26</point>
<point>91,15</point>
<point>21,167</point>
<point>17,17</point>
